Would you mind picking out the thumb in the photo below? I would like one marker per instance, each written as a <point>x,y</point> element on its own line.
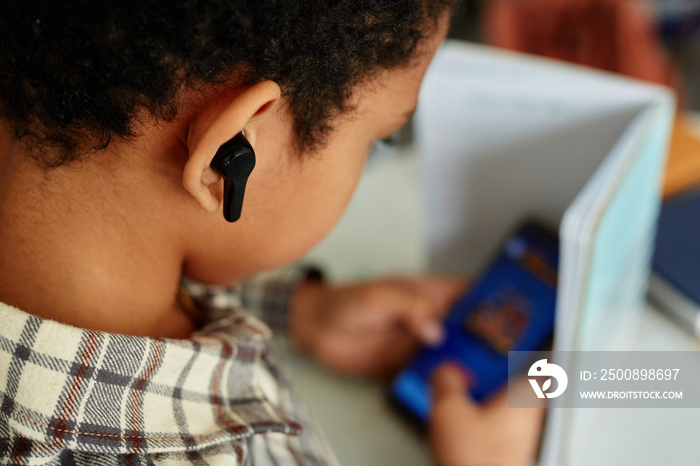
<point>448,381</point>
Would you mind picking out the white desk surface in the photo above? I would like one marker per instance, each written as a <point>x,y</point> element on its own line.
<point>381,234</point>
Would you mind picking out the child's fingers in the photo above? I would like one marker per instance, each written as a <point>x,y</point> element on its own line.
<point>419,312</point>
<point>417,303</point>
<point>448,380</point>
<point>444,290</point>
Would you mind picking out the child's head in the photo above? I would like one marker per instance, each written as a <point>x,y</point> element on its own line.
<point>130,103</point>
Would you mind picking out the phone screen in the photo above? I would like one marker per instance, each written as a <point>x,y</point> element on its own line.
<point>509,308</point>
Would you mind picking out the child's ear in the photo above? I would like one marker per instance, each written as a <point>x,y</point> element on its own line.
<point>215,123</point>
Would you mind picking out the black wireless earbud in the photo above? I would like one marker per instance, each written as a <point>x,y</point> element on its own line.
<point>234,161</point>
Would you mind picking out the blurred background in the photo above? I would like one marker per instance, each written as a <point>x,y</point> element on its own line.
<point>673,24</point>
<point>653,40</point>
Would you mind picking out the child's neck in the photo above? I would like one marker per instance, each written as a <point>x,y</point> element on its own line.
<point>87,259</point>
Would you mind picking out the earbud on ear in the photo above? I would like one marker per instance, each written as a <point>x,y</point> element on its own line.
<point>234,161</point>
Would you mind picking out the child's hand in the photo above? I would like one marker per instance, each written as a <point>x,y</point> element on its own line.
<point>463,433</point>
<point>371,329</point>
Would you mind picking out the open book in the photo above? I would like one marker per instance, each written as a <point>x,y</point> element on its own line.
<point>505,137</point>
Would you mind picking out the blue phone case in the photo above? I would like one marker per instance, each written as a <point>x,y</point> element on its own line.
<point>510,308</point>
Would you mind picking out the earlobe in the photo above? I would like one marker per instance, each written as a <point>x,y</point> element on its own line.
<point>214,125</point>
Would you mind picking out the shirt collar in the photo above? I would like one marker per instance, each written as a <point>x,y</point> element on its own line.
<point>102,392</point>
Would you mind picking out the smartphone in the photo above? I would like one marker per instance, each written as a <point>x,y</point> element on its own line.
<point>510,307</point>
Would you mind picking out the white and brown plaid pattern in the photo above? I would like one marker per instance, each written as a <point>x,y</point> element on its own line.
<point>74,396</point>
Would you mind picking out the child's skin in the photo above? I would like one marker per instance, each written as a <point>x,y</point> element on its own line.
<point>102,244</point>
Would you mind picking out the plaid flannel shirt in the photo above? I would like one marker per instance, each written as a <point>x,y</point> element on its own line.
<point>82,397</point>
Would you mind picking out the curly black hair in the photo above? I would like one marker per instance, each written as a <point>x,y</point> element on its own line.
<point>74,75</point>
